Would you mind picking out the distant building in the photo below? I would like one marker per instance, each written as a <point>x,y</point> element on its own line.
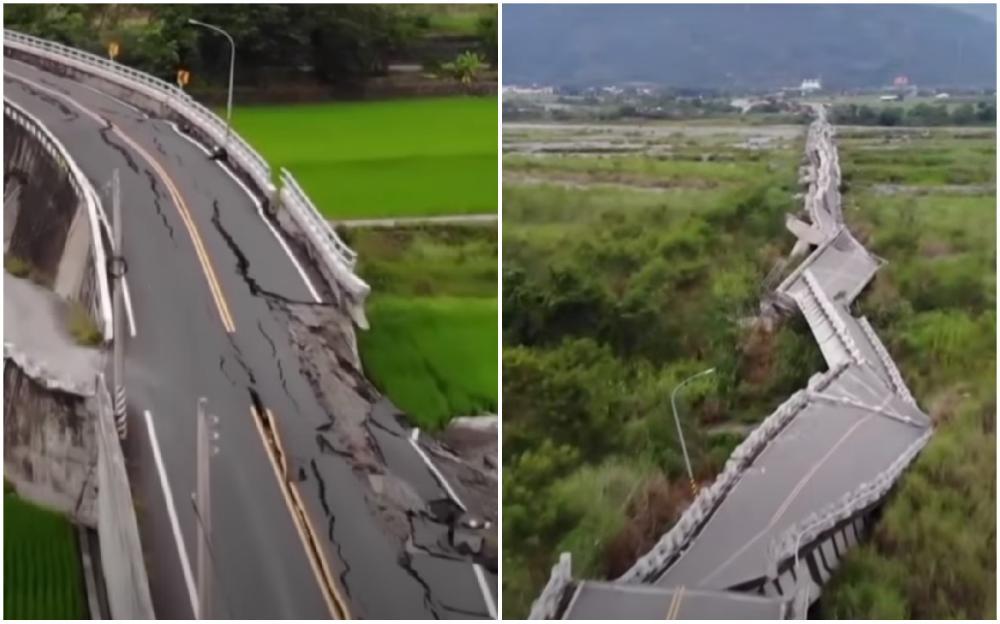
<point>810,86</point>
<point>942,96</point>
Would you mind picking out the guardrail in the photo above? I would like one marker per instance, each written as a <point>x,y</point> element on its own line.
<point>169,95</point>
<point>99,306</point>
<point>340,260</point>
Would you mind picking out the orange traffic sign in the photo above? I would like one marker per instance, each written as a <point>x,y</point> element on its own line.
<point>183,77</point>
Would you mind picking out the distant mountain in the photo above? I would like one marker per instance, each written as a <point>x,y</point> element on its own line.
<point>746,46</point>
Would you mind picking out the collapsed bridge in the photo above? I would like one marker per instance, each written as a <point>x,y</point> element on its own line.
<point>761,541</point>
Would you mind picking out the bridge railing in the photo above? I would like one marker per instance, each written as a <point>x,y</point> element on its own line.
<point>169,95</point>
<point>98,302</point>
<point>337,257</point>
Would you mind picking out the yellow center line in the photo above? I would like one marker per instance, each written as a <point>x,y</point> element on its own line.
<point>675,605</point>
<point>185,213</point>
<point>178,200</point>
<point>307,534</point>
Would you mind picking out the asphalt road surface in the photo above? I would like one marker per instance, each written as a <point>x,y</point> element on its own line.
<point>204,272</point>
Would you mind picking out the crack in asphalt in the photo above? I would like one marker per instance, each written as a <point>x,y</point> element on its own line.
<point>104,132</point>
<point>281,368</point>
<point>243,264</point>
<point>156,202</point>
<point>71,115</point>
<point>331,520</point>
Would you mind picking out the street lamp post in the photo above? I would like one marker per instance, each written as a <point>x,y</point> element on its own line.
<point>232,69</point>
<point>677,420</point>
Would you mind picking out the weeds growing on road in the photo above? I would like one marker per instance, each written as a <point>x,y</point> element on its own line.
<point>82,327</point>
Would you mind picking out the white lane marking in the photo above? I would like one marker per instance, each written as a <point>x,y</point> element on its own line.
<point>476,568</point>
<point>260,211</point>
<point>127,296</point>
<point>172,512</point>
<point>414,435</point>
<point>118,100</point>
<point>485,588</point>
<point>126,293</point>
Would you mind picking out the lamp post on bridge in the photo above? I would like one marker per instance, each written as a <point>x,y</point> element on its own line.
<point>677,420</point>
<point>232,70</point>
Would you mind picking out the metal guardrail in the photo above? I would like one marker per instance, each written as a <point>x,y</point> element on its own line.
<point>99,306</point>
<point>339,258</point>
<point>160,90</point>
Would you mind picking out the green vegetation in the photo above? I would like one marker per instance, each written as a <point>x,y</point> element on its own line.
<point>383,159</point>
<point>432,346</point>
<point>16,266</point>
<point>613,294</point>
<point>332,44</point>
<point>43,578</point>
<point>82,327</point>
<point>933,553</point>
<point>979,113</point>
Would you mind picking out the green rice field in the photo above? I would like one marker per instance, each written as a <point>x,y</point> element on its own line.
<point>432,346</point>
<point>42,578</point>
<point>397,158</point>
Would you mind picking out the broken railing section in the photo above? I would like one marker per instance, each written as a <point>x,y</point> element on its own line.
<point>79,263</point>
<point>334,259</point>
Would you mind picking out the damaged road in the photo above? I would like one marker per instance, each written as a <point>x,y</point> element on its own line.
<point>323,506</point>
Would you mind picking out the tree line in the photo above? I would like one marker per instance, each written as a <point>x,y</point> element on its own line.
<point>981,113</point>
<point>335,44</point>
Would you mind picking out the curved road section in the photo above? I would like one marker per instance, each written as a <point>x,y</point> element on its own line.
<point>295,528</point>
<point>764,537</point>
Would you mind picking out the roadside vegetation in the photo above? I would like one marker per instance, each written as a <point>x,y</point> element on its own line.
<point>933,553</point>
<point>395,158</point>
<point>980,112</point>
<point>42,579</point>
<point>432,346</point>
<point>613,293</point>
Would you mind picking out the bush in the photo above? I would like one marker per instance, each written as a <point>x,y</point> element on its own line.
<point>82,327</point>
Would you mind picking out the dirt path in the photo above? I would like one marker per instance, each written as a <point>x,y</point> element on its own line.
<point>473,219</point>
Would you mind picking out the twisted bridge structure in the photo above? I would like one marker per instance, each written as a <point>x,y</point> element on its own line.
<point>762,540</point>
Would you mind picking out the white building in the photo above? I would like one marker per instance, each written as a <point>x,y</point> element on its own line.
<point>810,86</point>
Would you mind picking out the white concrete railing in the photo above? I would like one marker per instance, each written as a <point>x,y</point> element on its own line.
<point>332,251</point>
<point>99,306</point>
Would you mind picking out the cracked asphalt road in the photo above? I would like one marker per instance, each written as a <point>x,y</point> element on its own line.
<point>182,351</point>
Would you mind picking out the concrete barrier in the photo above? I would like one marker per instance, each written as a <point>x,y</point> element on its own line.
<point>51,218</point>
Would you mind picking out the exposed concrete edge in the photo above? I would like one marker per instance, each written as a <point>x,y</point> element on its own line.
<point>887,362</point>
<point>858,500</point>
<point>674,541</point>
<point>85,194</point>
<point>546,606</point>
<point>41,373</point>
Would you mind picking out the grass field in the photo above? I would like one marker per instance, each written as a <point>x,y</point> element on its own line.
<point>933,553</point>
<point>398,158</point>
<point>432,346</point>
<point>42,578</point>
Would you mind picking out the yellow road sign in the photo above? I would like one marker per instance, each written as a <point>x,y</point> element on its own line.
<point>113,50</point>
<point>183,77</point>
